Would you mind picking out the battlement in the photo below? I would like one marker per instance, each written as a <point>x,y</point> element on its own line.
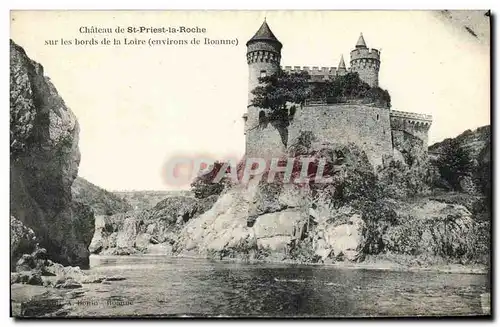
<point>411,116</point>
<point>365,53</point>
<point>318,74</point>
<point>315,70</point>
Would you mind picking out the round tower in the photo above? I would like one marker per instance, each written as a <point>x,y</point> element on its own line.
<point>263,139</point>
<point>263,56</point>
<point>366,62</point>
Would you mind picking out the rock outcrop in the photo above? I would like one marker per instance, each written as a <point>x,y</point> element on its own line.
<point>22,240</point>
<point>341,221</point>
<point>44,163</point>
<point>146,231</point>
<point>473,141</point>
<point>431,227</point>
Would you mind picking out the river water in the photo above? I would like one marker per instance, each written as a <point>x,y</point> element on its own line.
<point>166,286</point>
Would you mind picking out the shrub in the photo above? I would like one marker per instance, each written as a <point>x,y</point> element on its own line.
<point>378,216</point>
<point>303,251</point>
<point>205,185</point>
<point>398,180</point>
<point>454,163</point>
<point>351,87</point>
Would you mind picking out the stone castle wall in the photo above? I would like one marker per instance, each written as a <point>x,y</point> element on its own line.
<point>263,140</point>
<point>380,132</point>
<point>368,127</point>
<point>410,135</point>
<point>411,123</point>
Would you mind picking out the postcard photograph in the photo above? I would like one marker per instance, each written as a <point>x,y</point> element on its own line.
<point>244,164</point>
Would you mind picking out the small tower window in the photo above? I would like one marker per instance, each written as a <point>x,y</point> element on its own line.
<point>377,117</point>
<point>263,73</point>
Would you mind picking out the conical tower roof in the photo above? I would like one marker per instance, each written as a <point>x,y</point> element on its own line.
<point>342,63</point>
<point>361,42</point>
<point>264,34</point>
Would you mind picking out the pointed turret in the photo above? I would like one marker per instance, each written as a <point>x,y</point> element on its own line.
<point>342,63</point>
<point>361,42</point>
<point>341,69</point>
<point>264,34</point>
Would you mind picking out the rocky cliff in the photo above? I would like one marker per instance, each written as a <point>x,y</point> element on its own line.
<point>347,220</point>
<point>44,159</point>
<point>146,231</point>
<point>100,200</point>
<point>474,141</point>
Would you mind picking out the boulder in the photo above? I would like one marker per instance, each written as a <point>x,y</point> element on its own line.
<point>342,241</point>
<point>22,240</point>
<point>26,263</point>
<point>126,236</point>
<point>114,278</point>
<point>67,283</point>
<point>276,230</point>
<point>31,277</point>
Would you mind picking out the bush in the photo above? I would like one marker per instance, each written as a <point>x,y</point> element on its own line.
<point>454,163</point>
<point>483,174</point>
<point>350,87</point>
<point>303,251</point>
<point>378,216</point>
<point>205,185</point>
<point>398,180</point>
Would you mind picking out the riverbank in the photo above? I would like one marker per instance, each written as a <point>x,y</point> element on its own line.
<point>388,262</point>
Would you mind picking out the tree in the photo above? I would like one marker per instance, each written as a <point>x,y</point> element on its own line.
<point>350,87</point>
<point>483,173</point>
<point>454,163</point>
<point>205,185</point>
<point>275,91</point>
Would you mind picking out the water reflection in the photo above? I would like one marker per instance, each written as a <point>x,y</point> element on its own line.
<point>157,285</point>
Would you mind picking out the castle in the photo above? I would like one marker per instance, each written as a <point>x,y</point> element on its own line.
<point>382,133</point>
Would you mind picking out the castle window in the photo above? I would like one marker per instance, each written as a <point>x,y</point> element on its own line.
<point>263,73</point>
<point>377,116</point>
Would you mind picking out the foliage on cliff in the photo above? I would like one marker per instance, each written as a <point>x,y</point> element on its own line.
<point>454,163</point>
<point>472,140</point>
<point>464,163</point>
<point>209,184</point>
<point>350,87</point>
<point>146,199</point>
<point>276,90</point>
<point>100,200</point>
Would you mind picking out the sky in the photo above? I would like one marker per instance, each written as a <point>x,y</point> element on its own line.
<point>139,106</point>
